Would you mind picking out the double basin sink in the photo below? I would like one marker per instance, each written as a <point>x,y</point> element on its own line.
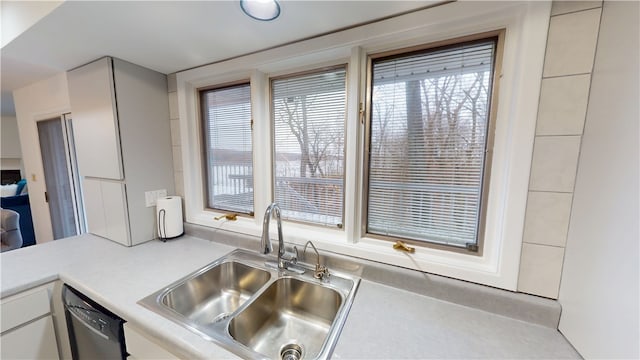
<point>256,311</point>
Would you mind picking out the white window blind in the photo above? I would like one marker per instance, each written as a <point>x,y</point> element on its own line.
<point>428,140</point>
<point>226,114</point>
<point>309,120</point>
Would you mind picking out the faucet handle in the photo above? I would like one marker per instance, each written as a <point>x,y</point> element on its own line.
<point>321,272</point>
<point>291,257</point>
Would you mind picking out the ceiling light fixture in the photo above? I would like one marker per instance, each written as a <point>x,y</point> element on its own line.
<point>264,10</point>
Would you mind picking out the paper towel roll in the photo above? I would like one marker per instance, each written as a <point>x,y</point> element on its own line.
<point>169,217</point>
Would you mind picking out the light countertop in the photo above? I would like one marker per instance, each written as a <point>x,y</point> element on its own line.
<point>384,322</point>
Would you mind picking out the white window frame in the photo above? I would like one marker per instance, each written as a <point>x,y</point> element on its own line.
<point>526,25</point>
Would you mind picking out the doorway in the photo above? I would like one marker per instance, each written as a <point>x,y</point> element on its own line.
<point>63,193</point>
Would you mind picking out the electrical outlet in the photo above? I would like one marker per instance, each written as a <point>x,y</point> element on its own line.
<point>150,197</point>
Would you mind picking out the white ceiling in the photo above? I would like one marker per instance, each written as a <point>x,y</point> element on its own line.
<point>169,36</point>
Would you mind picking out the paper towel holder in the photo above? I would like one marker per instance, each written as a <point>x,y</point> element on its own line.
<point>162,230</point>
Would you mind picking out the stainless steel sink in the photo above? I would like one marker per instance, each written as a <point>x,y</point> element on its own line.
<point>214,292</point>
<point>289,312</point>
<point>258,312</point>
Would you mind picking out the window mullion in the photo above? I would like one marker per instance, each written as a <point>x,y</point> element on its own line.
<point>354,138</point>
<point>262,143</point>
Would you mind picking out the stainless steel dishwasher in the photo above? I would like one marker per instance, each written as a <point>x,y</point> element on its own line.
<point>94,332</point>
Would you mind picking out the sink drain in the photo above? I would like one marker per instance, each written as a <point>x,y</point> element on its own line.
<point>291,352</point>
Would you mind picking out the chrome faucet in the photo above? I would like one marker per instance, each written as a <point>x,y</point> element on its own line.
<point>265,242</point>
<point>321,272</point>
<point>286,261</point>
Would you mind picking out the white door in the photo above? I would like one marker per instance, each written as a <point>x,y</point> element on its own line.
<point>60,176</point>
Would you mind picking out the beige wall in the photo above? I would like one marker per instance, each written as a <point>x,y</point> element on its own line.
<point>599,291</point>
<point>10,152</point>
<point>10,142</point>
<point>43,100</point>
<point>571,46</point>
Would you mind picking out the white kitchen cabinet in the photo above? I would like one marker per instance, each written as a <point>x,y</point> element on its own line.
<point>93,206</point>
<point>140,347</point>
<point>95,122</point>
<point>36,340</point>
<point>123,144</point>
<point>115,211</point>
<point>106,209</point>
<point>27,326</point>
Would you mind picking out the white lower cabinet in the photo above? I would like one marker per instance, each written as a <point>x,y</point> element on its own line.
<point>27,330</point>
<point>140,347</point>
<point>35,340</point>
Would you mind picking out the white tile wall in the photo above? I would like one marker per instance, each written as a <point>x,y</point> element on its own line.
<point>555,159</point>
<point>563,105</point>
<point>173,105</point>
<point>571,43</point>
<point>175,132</point>
<point>172,84</point>
<point>179,179</point>
<point>571,46</point>
<point>547,219</point>
<point>177,158</point>
<point>540,270</point>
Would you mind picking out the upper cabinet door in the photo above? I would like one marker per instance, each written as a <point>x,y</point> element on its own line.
<point>95,121</point>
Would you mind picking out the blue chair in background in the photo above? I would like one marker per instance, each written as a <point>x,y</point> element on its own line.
<point>20,204</point>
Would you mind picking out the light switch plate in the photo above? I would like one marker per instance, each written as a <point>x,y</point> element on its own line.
<point>150,197</point>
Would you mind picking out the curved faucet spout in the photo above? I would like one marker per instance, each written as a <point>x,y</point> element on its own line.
<point>285,261</point>
<point>265,241</point>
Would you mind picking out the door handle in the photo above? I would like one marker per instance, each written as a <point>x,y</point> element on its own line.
<point>46,197</point>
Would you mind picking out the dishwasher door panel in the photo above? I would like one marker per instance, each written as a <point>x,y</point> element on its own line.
<point>94,332</point>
